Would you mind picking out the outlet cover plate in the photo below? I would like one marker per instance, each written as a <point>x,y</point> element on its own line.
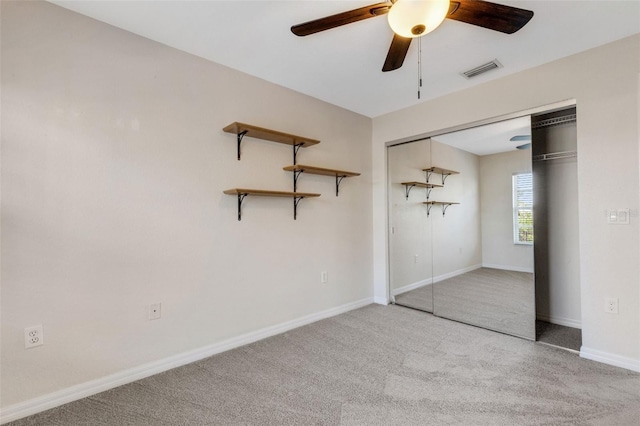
<point>33,336</point>
<point>611,305</point>
<point>155,311</point>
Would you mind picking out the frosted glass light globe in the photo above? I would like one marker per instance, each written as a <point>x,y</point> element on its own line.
<point>415,18</point>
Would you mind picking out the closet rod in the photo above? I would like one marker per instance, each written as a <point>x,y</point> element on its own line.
<point>555,156</point>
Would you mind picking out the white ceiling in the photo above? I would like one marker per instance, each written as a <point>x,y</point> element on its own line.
<point>490,138</point>
<point>342,66</point>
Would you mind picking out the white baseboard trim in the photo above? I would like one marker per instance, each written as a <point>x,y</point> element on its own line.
<point>508,267</point>
<point>455,273</point>
<point>430,281</point>
<point>567,322</point>
<point>410,287</point>
<point>611,359</point>
<point>83,390</point>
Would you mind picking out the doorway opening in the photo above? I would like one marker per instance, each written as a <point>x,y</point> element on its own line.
<point>556,247</point>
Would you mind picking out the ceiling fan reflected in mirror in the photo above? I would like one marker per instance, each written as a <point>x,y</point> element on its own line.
<point>520,138</point>
<point>414,18</point>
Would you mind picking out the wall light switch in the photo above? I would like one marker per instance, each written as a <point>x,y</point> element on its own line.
<point>623,216</point>
<point>618,216</point>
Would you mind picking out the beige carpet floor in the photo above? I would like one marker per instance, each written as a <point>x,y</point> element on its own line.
<point>379,365</point>
<point>496,299</point>
<point>559,335</point>
<point>420,298</point>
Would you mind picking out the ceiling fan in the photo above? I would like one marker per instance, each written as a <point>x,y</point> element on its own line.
<point>412,18</point>
<point>520,138</point>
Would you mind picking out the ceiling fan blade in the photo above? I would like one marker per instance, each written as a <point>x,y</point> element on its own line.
<point>397,52</point>
<point>497,17</point>
<point>340,19</point>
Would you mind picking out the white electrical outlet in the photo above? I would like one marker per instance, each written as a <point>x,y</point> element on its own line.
<point>415,258</point>
<point>33,336</point>
<point>324,277</point>
<point>155,311</point>
<point>611,305</point>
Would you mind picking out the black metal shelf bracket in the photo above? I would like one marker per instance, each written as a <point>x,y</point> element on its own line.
<point>445,206</point>
<point>296,148</point>
<point>296,175</point>
<point>407,190</point>
<point>240,136</point>
<point>444,176</point>
<point>338,181</point>
<point>240,200</point>
<point>296,200</point>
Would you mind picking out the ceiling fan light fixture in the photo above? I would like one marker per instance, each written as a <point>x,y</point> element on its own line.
<point>415,18</point>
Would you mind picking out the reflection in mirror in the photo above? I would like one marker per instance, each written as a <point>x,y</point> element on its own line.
<point>483,247</point>
<point>410,262</point>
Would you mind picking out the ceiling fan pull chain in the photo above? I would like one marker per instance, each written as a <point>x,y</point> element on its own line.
<point>419,65</point>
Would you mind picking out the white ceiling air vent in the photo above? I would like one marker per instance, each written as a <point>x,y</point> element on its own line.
<point>482,69</point>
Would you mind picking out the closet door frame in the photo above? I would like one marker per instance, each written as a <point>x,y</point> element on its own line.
<point>560,105</point>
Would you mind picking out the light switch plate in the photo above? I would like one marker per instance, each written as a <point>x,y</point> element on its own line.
<point>618,216</point>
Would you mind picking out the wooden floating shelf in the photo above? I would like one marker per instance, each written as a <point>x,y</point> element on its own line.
<point>296,196</point>
<point>320,171</point>
<point>422,184</point>
<point>241,130</point>
<point>448,203</point>
<point>410,185</point>
<point>297,169</point>
<point>269,193</point>
<point>439,170</point>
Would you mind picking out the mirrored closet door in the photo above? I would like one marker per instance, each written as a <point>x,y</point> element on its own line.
<point>464,199</point>
<point>410,249</point>
<point>483,245</point>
